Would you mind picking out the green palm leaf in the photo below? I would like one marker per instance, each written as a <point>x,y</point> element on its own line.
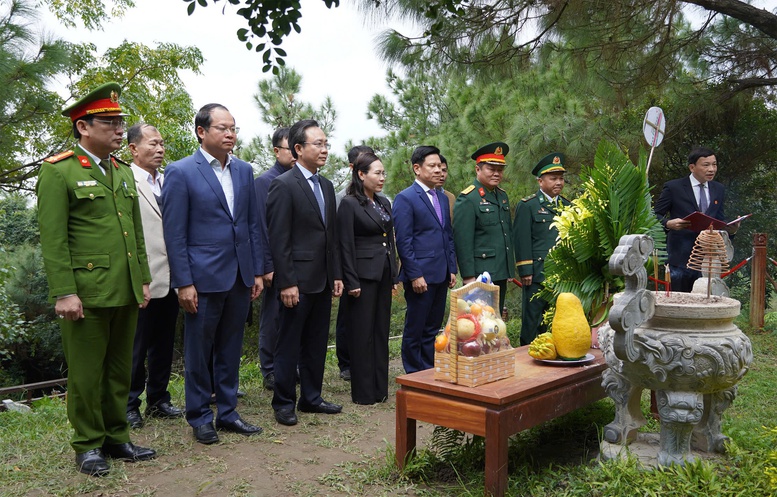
<point>616,202</point>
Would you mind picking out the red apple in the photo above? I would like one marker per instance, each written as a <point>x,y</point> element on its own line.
<point>471,349</point>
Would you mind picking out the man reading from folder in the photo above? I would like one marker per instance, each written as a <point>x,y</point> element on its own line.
<point>684,196</point>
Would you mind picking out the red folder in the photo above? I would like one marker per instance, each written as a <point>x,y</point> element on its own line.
<point>701,222</point>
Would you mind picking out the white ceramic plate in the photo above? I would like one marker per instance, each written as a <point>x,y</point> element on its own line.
<point>560,362</point>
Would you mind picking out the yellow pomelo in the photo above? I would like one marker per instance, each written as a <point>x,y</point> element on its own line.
<point>571,332</point>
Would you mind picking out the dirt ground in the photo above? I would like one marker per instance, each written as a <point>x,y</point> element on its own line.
<point>303,460</point>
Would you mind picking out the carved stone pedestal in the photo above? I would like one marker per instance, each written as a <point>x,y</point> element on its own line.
<point>685,347</point>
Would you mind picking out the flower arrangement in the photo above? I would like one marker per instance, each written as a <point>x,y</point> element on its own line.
<point>615,202</point>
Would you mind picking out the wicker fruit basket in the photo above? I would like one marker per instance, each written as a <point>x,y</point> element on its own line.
<point>474,349</point>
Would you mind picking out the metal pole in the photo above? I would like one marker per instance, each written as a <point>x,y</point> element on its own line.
<point>758,281</point>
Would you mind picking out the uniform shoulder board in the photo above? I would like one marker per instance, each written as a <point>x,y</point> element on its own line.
<point>500,189</point>
<point>119,161</point>
<point>468,190</point>
<point>56,158</point>
<point>526,199</point>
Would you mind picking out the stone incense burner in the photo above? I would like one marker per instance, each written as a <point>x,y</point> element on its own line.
<point>684,346</point>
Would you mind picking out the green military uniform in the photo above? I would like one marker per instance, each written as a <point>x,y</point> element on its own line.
<point>533,237</point>
<point>92,242</point>
<point>482,227</point>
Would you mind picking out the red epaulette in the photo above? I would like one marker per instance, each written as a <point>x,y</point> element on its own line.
<point>117,162</point>
<point>56,158</point>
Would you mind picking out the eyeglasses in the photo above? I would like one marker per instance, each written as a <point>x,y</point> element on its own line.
<point>115,123</point>
<point>322,146</point>
<point>223,129</point>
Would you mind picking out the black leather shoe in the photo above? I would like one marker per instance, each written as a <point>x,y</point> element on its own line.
<point>324,408</point>
<point>239,426</point>
<point>269,382</point>
<point>128,452</point>
<point>92,463</point>
<point>286,417</point>
<point>134,418</point>
<point>163,410</point>
<point>205,434</point>
<point>345,375</point>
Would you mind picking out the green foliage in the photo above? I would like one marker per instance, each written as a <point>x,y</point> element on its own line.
<point>268,23</point>
<point>615,202</point>
<point>629,44</point>
<point>31,128</point>
<point>92,13</point>
<point>13,328</point>
<point>18,223</point>
<point>280,106</point>
<point>771,467</point>
<point>152,90</point>
<point>39,356</point>
<point>28,109</point>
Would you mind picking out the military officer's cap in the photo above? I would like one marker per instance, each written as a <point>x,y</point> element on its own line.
<point>551,163</point>
<point>493,153</point>
<point>103,100</point>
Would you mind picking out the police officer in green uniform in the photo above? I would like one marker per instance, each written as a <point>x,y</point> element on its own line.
<point>481,222</point>
<point>533,238</point>
<point>95,260</point>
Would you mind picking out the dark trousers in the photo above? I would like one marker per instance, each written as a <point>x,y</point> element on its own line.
<point>269,324</point>
<point>369,318</point>
<point>423,319</point>
<point>502,284</point>
<point>154,340</point>
<point>341,336</point>
<point>214,333</point>
<point>683,278</point>
<point>303,342</point>
<point>98,350</point>
<point>531,314</point>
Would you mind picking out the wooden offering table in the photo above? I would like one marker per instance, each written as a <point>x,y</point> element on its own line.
<point>537,393</point>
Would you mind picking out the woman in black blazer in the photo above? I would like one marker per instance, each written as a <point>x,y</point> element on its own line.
<point>366,233</point>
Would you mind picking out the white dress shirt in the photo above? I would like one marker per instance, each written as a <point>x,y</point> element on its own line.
<point>224,175</point>
<point>154,181</point>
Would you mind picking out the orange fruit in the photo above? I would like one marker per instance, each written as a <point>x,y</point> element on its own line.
<point>475,309</point>
<point>448,329</point>
<point>489,309</point>
<point>441,342</point>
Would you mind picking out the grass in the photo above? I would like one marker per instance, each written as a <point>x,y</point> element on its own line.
<point>554,459</point>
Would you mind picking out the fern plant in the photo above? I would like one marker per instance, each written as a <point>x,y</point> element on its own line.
<point>615,202</point>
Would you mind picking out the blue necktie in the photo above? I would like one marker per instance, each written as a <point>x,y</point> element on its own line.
<point>319,196</point>
<point>702,198</point>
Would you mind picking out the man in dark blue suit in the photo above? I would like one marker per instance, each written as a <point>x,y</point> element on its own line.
<point>684,196</point>
<point>214,245</point>
<point>268,320</point>
<point>301,218</point>
<point>422,224</point>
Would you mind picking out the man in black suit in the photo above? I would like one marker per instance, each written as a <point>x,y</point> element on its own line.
<point>684,196</point>
<point>268,321</point>
<point>306,258</point>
